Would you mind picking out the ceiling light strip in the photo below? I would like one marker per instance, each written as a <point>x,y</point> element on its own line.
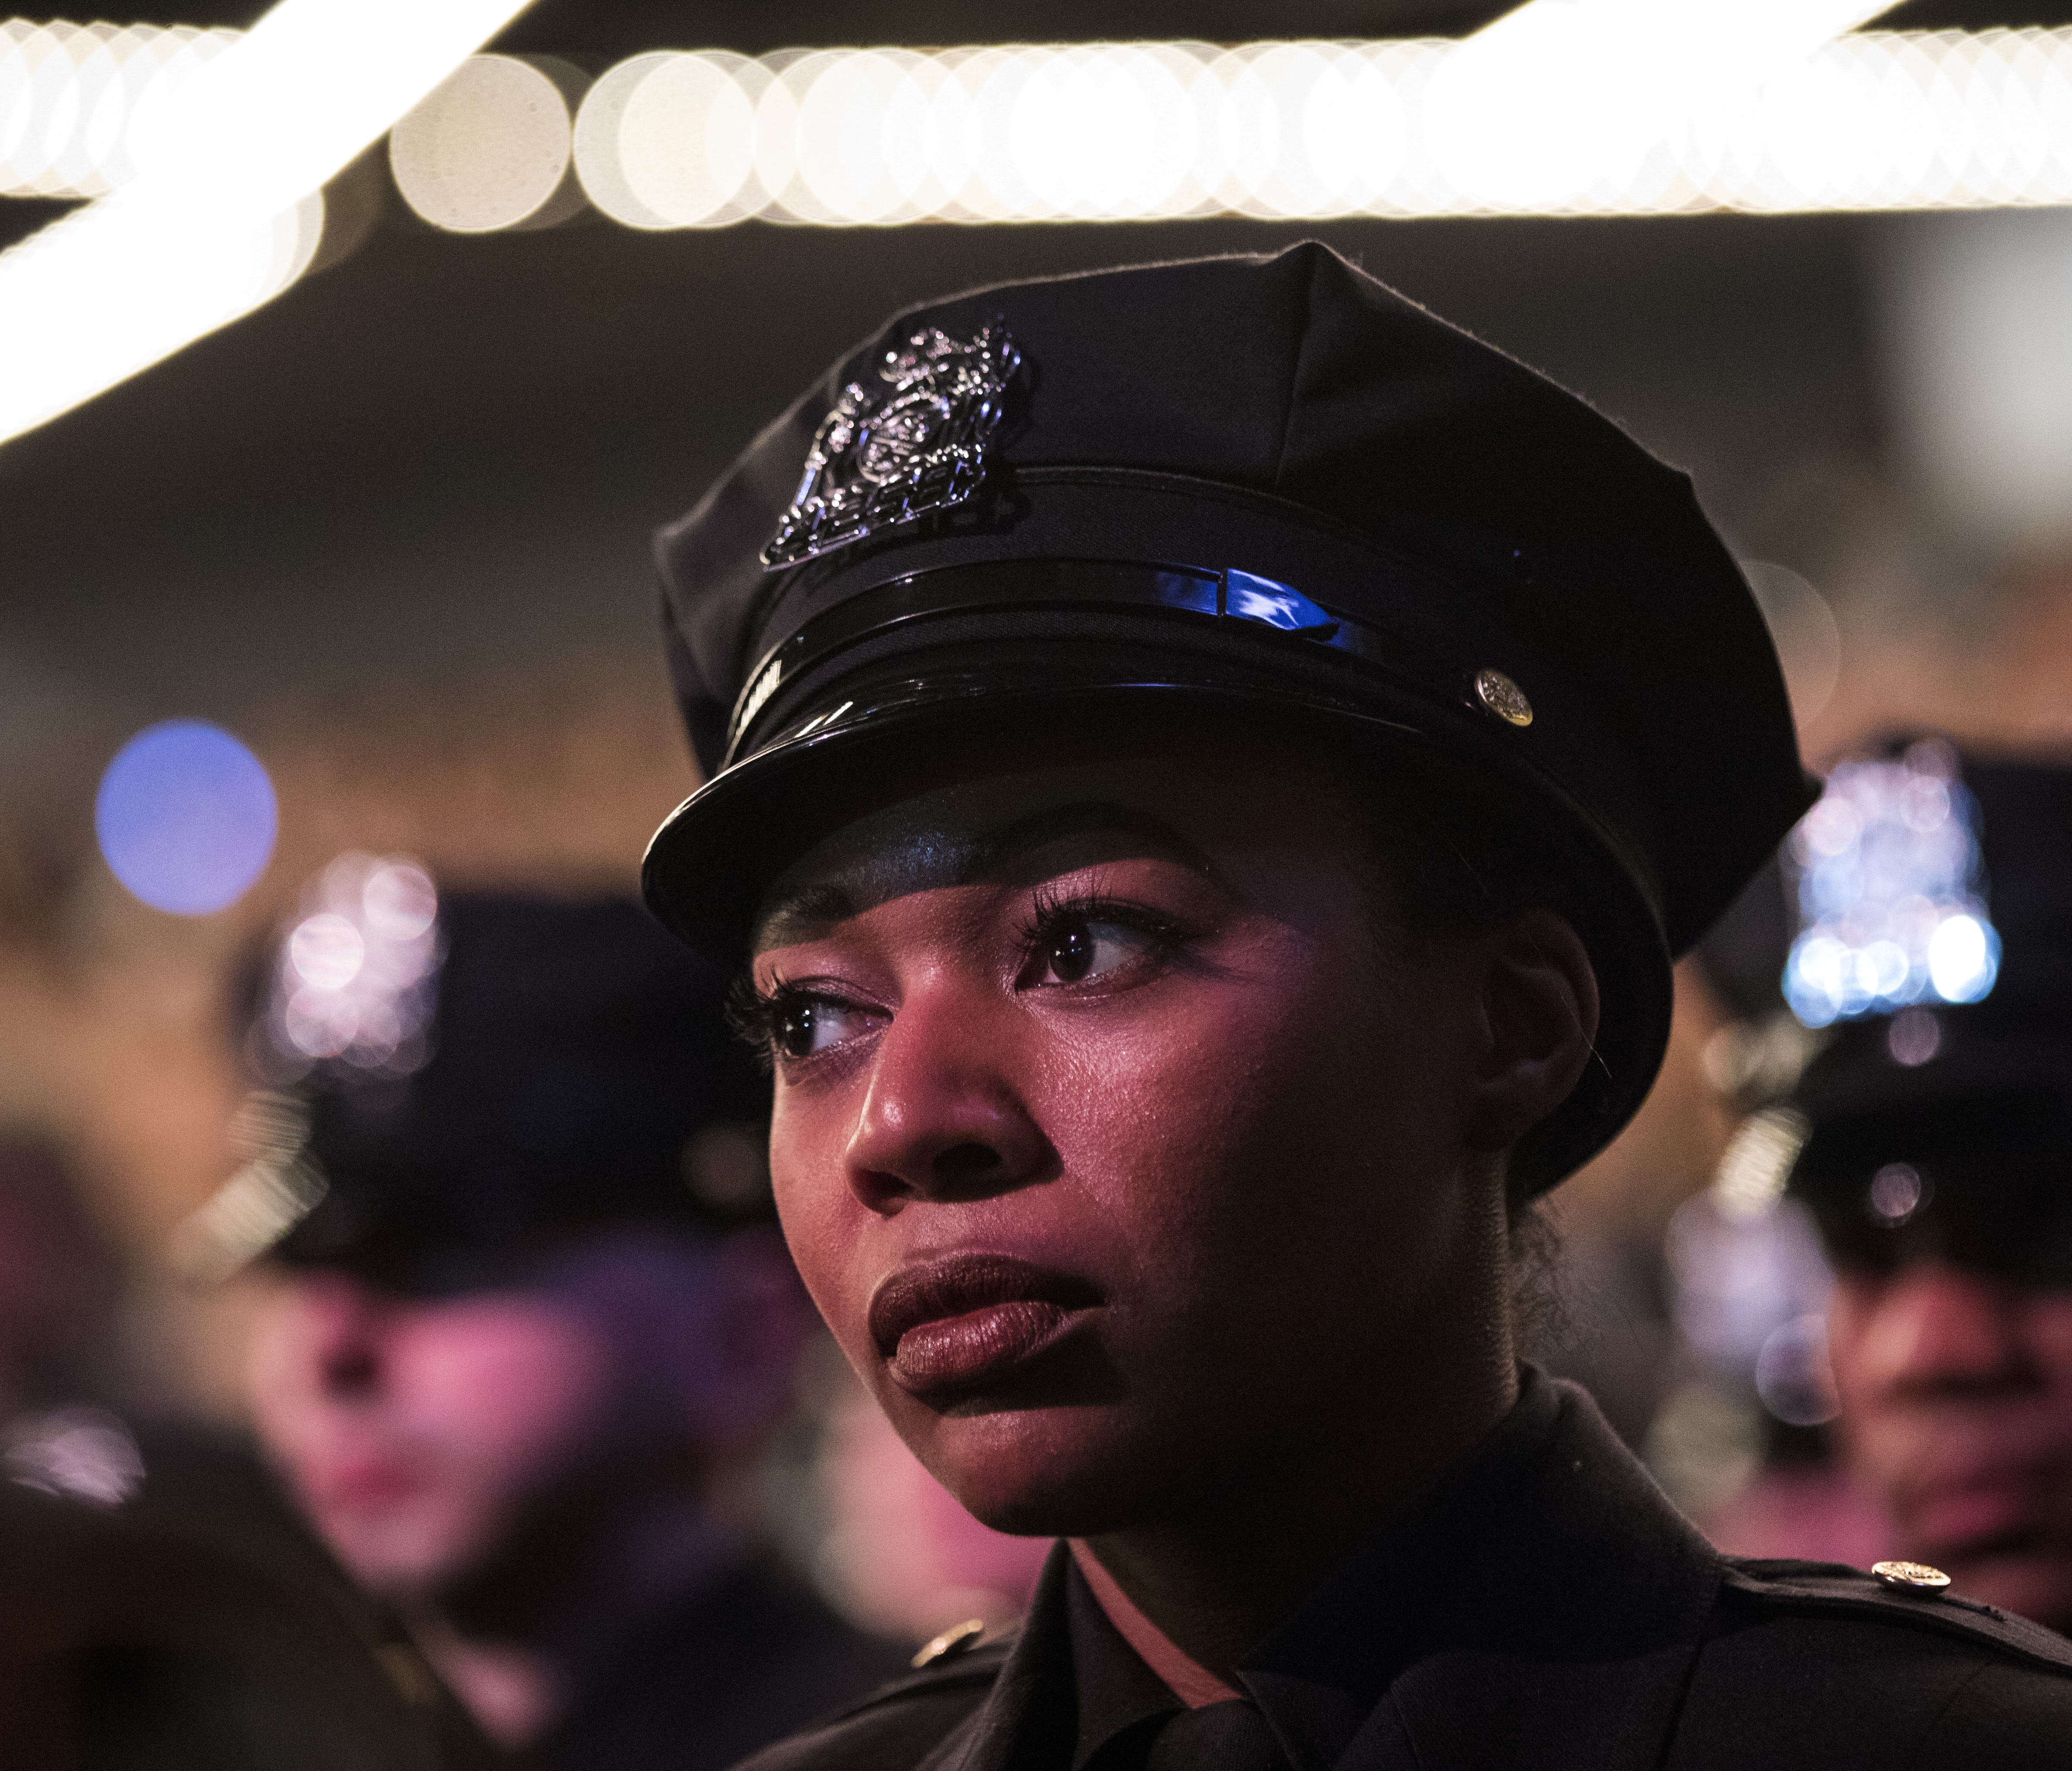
<point>1318,131</point>
<point>224,207</point>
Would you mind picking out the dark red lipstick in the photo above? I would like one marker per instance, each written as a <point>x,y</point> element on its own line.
<point>968,1320</point>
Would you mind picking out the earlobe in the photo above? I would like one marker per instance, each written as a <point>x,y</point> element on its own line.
<point>1538,1016</point>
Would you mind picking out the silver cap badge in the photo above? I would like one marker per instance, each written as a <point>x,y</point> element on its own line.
<point>917,443</point>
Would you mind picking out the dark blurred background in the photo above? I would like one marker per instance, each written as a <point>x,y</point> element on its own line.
<point>392,530</point>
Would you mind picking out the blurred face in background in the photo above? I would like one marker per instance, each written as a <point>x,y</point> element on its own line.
<point>423,1436</point>
<point>1956,1394</point>
<point>412,1433</point>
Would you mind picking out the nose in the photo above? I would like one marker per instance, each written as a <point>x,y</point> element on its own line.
<point>943,1117</point>
<point>1935,1329</point>
<point>341,1321</point>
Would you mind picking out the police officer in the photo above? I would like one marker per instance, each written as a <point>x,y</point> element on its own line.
<point>524,1335</point>
<point>1939,1159</point>
<point>1207,766</point>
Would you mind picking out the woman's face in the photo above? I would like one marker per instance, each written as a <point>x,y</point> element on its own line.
<point>1120,1147</point>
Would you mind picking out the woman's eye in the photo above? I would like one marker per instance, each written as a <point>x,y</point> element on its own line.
<point>1085,947</point>
<point>808,1026</point>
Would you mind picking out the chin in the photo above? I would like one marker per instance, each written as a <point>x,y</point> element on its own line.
<point>397,1557</point>
<point>1053,1472</point>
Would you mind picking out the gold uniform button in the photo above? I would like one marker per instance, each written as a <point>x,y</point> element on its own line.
<point>951,1642</point>
<point>1911,1576</point>
<point>1498,695</point>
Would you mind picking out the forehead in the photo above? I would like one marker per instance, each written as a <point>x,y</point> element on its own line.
<point>1016,823</point>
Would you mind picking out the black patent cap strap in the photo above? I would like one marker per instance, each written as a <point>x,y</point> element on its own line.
<point>1236,600</point>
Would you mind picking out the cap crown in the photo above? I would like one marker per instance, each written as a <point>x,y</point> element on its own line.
<point>1545,540</point>
<point>573,1051</point>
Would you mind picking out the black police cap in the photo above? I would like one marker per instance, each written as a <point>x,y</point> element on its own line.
<point>1269,481</point>
<point>573,1056</point>
<point>2014,1043</point>
<point>1934,1128</point>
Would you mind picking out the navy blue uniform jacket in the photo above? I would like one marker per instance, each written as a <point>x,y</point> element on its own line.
<point>1547,1607</point>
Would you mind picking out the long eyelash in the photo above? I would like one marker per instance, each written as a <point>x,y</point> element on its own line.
<point>1050,908</point>
<point>753,1015</point>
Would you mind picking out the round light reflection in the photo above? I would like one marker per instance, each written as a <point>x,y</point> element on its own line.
<point>1964,959</point>
<point>186,817</point>
<point>486,149</point>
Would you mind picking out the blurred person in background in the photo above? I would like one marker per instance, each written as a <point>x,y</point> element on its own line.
<point>58,1283</point>
<point>76,1417</point>
<point>899,1553</point>
<point>136,1638</point>
<point>163,1609</point>
<point>525,1335</point>
<point>1938,1153</point>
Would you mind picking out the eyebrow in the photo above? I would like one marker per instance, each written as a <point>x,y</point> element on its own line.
<point>817,905</point>
<point>995,851</point>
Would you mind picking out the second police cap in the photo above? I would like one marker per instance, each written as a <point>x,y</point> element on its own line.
<point>1253,483</point>
<point>452,1082</point>
<point>1933,892</point>
<point>1961,861</point>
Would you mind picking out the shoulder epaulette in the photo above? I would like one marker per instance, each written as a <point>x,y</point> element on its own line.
<point>1835,1589</point>
<point>975,1667</point>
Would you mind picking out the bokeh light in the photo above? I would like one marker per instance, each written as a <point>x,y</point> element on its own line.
<point>1898,1191</point>
<point>1891,893</point>
<point>78,101</point>
<point>1803,629</point>
<point>226,206</point>
<point>1602,108</point>
<point>668,140</point>
<point>357,978</point>
<point>186,817</point>
<point>488,148</point>
<point>1792,1374</point>
<point>1563,107</point>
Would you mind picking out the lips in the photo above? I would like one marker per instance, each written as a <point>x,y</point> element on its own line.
<point>365,1484</point>
<point>1979,1514</point>
<point>1982,1507</point>
<point>968,1321</point>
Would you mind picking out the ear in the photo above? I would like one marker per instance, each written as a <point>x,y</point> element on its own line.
<point>1537,1019</point>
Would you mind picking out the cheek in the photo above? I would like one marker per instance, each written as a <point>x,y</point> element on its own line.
<point>1285,1116</point>
<point>2049,1335</point>
<point>288,1409</point>
<point>823,1221</point>
<point>501,1391</point>
<point>1851,1308</point>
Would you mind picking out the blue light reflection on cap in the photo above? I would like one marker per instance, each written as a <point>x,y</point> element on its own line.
<point>1891,896</point>
<point>186,817</point>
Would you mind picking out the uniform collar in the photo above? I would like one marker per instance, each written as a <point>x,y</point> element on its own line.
<point>1549,1567</point>
<point>1114,1689</point>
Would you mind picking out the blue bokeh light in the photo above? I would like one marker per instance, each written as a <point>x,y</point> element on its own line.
<point>1892,892</point>
<point>186,817</point>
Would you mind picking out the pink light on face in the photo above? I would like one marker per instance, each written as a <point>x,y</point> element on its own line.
<point>1956,1394</point>
<point>907,1559</point>
<point>414,1432</point>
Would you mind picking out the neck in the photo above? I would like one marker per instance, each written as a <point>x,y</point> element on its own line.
<point>572,1567</point>
<point>1193,1683</point>
<point>513,1691</point>
<point>520,1637</point>
<point>1214,1583</point>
